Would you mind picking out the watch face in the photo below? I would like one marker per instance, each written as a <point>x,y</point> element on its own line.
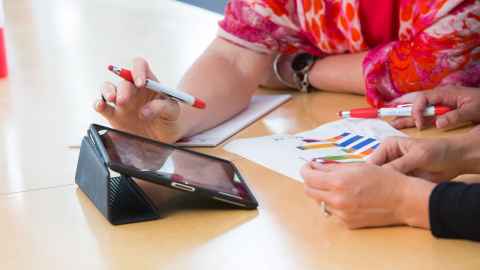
<point>301,61</point>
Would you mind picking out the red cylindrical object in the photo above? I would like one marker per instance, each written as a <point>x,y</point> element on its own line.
<point>360,113</point>
<point>439,110</point>
<point>3,51</point>
<point>3,55</point>
<point>127,75</point>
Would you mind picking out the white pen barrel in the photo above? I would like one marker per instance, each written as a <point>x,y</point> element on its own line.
<point>161,88</point>
<point>400,111</point>
<point>429,111</point>
<point>405,111</point>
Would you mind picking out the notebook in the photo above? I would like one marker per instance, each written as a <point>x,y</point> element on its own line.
<point>259,106</point>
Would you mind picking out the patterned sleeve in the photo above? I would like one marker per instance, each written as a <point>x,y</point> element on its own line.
<point>439,43</point>
<point>265,26</point>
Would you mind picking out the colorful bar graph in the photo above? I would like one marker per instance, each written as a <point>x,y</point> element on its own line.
<point>333,139</point>
<point>350,141</point>
<point>363,143</point>
<point>348,150</point>
<point>316,146</point>
<point>343,157</point>
<point>323,161</point>
<point>312,140</point>
<point>367,152</point>
<point>339,137</point>
<point>355,148</point>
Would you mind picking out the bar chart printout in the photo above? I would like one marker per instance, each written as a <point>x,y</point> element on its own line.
<point>344,148</point>
<point>342,141</point>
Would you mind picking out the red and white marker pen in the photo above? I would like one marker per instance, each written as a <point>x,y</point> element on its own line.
<point>160,88</point>
<point>401,110</point>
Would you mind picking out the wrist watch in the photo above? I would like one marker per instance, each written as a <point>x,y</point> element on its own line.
<point>300,66</point>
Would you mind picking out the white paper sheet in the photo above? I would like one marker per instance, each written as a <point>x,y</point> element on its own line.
<point>259,106</point>
<point>280,153</point>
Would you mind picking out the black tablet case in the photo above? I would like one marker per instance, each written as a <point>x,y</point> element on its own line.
<point>118,198</point>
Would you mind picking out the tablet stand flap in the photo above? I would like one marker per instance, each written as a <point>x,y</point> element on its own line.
<point>119,199</point>
<point>128,203</point>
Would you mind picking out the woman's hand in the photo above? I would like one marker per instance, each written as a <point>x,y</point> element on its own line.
<point>437,160</point>
<point>225,76</point>
<point>464,101</point>
<point>138,110</point>
<point>366,195</point>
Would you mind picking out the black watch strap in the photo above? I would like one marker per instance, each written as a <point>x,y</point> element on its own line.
<point>301,66</point>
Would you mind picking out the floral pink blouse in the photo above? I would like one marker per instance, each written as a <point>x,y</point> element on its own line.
<point>435,42</point>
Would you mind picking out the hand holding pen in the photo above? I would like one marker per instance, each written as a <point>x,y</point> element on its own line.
<point>404,110</point>
<point>160,88</point>
<point>463,101</point>
<point>134,108</point>
<point>444,106</point>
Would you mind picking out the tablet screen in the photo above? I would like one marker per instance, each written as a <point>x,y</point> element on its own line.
<point>172,164</point>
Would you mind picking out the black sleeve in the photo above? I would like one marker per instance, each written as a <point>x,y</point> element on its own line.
<point>454,209</point>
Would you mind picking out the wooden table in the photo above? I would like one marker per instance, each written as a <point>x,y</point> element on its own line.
<point>58,51</point>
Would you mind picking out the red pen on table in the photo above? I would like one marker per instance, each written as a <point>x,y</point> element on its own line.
<point>161,88</point>
<point>401,110</point>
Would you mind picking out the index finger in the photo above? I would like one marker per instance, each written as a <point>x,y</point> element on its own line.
<point>418,107</point>
<point>141,71</point>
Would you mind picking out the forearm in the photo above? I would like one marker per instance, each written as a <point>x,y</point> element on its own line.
<point>467,149</point>
<point>414,206</point>
<point>339,73</point>
<point>225,77</point>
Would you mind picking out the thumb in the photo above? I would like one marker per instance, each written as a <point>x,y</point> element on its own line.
<point>450,118</point>
<point>166,109</point>
<point>418,108</point>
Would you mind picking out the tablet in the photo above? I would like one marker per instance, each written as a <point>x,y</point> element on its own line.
<point>174,167</point>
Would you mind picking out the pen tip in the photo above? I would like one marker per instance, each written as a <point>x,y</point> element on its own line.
<point>199,104</point>
<point>110,67</point>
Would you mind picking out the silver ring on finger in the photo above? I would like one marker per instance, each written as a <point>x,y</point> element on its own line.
<point>325,211</point>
